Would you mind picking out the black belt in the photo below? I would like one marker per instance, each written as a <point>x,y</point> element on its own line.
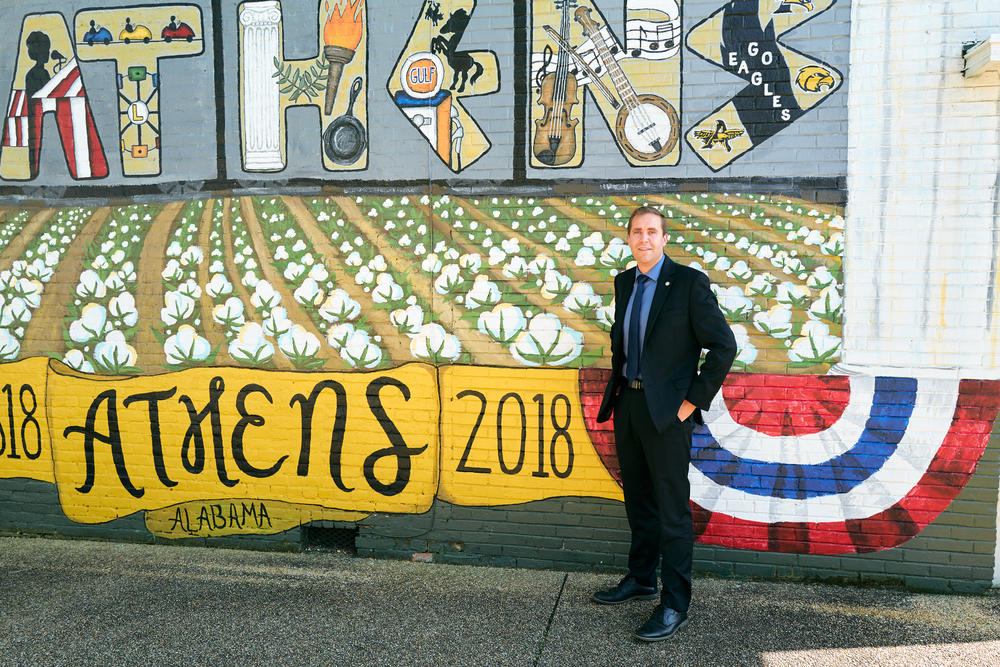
<point>634,384</point>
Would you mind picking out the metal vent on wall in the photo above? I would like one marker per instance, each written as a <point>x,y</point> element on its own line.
<point>321,538</point>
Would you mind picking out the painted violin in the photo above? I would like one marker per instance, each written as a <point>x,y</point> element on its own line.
<point>555,132</point>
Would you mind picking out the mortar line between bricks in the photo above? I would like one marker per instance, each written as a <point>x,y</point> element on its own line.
<point>545,635</point>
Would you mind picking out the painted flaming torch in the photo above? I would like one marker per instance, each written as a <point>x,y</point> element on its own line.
<point>341,35</point>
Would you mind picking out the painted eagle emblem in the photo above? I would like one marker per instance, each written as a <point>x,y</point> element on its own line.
<point>720,135</point>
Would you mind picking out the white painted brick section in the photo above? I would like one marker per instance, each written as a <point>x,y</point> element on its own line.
<point>923,158</point>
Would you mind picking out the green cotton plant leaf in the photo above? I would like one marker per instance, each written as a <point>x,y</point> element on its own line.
<point>591,357</point>
<point>309,364</point>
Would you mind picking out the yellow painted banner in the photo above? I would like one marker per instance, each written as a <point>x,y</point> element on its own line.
<point>25,450</point>
<point>513,435</point>
<point>226,451</point>
<point>349,441</point>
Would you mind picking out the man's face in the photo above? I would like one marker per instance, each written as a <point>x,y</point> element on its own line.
<point>646,239</point>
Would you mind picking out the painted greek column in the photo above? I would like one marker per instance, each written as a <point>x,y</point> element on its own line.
<point>260,100</point>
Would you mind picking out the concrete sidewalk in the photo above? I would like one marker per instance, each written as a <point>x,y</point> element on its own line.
<point>75,602</point>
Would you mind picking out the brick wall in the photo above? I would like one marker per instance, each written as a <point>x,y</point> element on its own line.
<point>245,328</point>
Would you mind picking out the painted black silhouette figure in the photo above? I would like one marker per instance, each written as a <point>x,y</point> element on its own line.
<point>128,25</point>
<point>38,44</point>
<point>459,61</point>
<point>173,23</point>
<point>433,13</point>
<point>93,28</point>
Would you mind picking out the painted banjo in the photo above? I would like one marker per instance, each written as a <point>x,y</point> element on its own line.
<point>647,126</point>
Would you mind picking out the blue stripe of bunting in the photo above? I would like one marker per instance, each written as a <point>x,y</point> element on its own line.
<point>892,406</point>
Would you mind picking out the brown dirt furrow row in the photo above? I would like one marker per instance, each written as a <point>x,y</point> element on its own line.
<point>754,230</point>
<point>755,263</point>
<point>279,360</point>
<point>43,335</point>
<point>270,274</point>
<point>482,348</point>
<point>777,211</point>
<point>15,249</point>
<point>212,329</point>
<point>395,344</point>
<point>593,336</point>
<point>149,291</point>
<point>592,276</point>
<point>774,359</point>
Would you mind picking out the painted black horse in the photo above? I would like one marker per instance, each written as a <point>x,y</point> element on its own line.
<point>461,62</point>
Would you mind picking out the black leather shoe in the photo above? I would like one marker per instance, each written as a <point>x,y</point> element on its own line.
<point>627,589</point>
<point>663,624</point>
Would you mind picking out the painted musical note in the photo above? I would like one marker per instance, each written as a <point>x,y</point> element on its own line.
<point>652,40</point>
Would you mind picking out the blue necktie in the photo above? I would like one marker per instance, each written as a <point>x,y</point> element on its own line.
<point>634,347</point>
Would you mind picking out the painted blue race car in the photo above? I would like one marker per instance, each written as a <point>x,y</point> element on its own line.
<point>94,36</point>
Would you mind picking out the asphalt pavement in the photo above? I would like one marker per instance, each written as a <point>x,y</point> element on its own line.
<point>82,602</point>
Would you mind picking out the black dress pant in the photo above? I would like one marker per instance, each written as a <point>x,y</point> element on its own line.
<point>654,469</point>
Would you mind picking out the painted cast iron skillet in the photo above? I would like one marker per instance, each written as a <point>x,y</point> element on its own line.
<point>344,139</point>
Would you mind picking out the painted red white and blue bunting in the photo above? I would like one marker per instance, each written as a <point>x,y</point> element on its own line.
<point>825,464</point>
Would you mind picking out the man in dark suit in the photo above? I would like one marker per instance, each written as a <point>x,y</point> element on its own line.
<point>665,315</point>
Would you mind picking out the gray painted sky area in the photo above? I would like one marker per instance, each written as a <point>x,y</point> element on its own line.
<point>816,145</point>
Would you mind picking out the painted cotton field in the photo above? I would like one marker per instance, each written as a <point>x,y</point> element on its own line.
<point>374,281</point>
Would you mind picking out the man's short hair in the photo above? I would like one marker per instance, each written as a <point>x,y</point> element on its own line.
<point>648,209</point>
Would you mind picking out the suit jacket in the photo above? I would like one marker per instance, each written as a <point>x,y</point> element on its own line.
<point>684,318</point>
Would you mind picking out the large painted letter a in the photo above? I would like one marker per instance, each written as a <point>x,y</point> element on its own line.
<point>46,80</point>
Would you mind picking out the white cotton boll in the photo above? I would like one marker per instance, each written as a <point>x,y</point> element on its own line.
<point>546,342</point>
<point>594,242</point>
<point>73,359</point>
<point>585,257</point>
<point>309,293</point>
<point>408,320</point>
<point>218,286</point>
<point>386,290</point>
<point>435,344</point>
<point>186,346</point>
<point>449,279</point>
<point>431,264</point>
<point>483,293</point>
<point>496,256</point>
<point>91,324</point>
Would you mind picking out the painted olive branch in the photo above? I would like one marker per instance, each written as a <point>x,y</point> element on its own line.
<point>296,82</point>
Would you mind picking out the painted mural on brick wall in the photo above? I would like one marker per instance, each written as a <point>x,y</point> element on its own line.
<point>432,74</point>
<point>636,86</point>
<point>48,80</point>
<point>242,365</point>
<point>633,80</point>
<point>783,84</point>
<point>328,357</point>
<point>335,80</point>
<point>136,39</point>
